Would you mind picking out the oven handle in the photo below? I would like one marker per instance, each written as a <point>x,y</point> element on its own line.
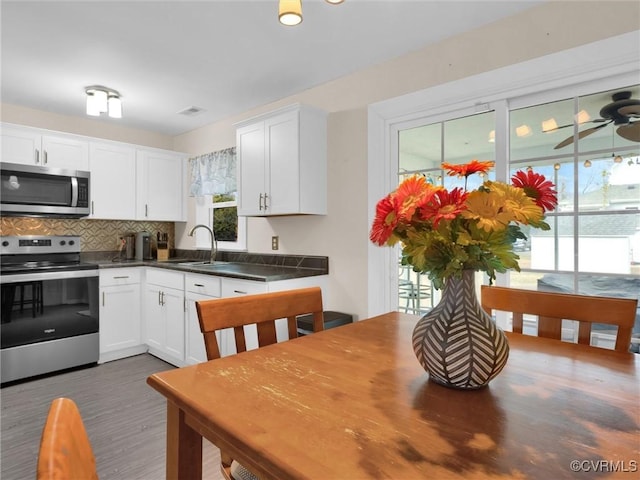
<point>43,276</point>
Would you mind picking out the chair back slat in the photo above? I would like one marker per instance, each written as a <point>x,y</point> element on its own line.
<point>65,450</point>
<point>260,309</point>
<point>551,308</point>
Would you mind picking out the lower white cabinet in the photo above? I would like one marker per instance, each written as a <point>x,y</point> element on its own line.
<point>120,318</point>
<point>197,287</point>
<point>153,309</point>
<point>164,310</point>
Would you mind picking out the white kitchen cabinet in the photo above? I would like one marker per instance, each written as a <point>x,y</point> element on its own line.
<point>120,318</point>
<point>113,181</point>
<point>164,315</point>
<point>32,146</point>
<point>198,287</point>
<point>159,178</point>
<point>282,163</point>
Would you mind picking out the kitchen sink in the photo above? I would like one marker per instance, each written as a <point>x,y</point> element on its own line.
<point>202,264</point>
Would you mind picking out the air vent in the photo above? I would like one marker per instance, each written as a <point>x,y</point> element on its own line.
<point>191,111</point>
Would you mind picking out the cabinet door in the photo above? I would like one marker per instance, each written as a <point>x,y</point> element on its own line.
<point>119,318</point>
<point>195,351</point>
<point>173,307</point>
<point>65,152</point>
<point>159,186</point>
<point>113,181</point>
<point>155,331</point>
<point>251,165</point>
<point>21,145</point>
<point>283,164</point>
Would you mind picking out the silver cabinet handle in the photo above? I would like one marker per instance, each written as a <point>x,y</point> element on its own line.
<point>265,201</point>
<point>260,202</point>
<point>159,297</point>
<point>240,292</point>
<point>37,156</point>
<point>198,285</point>
<point>146,210</point>
<point>122,276</point>
<point>92,209</point>
<point>46,159</point>
<point>103,298</point>
<point>162,298</point>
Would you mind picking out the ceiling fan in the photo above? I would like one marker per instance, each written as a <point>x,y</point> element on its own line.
<point>620,112</point>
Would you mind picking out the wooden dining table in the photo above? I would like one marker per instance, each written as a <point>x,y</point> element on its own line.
<point>354,403</point>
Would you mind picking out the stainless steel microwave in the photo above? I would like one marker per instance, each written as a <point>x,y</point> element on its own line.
<point>29,190</point>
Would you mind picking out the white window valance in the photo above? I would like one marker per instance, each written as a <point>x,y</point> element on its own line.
<point>213,173</point>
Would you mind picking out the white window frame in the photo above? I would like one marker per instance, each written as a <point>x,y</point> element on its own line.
<point>611,63</point>
<point>204,215</point>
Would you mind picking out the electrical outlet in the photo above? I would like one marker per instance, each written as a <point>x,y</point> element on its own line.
<point>275,243</point>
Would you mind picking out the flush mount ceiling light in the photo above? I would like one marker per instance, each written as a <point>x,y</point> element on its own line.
<point>103,100</point>
<point>290,11</point>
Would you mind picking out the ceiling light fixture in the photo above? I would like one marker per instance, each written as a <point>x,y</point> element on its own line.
<point>523,131</point>
<point>103,100</point>
<point>290,12</point>
<point>582,117</point>
<point>334,2</point>
<point>492,136</point>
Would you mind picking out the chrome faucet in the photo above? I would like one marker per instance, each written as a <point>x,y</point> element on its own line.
<point>214,242</point>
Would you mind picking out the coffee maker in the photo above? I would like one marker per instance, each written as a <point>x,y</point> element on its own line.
<point>143,246</point>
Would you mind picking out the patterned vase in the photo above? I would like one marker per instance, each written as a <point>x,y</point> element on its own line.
<point>457,342</point>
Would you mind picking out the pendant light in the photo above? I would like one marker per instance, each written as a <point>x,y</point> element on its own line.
<point>290,12</point>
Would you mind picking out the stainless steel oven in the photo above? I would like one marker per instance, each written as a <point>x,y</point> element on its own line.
<point>49,306</point>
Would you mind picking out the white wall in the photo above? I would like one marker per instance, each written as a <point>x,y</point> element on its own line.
<point>343,233</point>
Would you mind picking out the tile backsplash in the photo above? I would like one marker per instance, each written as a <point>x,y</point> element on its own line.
<point>96,235</point>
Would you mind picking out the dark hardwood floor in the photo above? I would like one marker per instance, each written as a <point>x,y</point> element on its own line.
<point>124,417</point>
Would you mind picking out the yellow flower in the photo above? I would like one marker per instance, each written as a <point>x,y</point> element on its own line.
<point>486,209</point>
<point>516,203</point>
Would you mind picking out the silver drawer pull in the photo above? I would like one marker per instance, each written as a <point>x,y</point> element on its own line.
<point>198,285</point>
<point>240,292</point>
<point>120,277</point>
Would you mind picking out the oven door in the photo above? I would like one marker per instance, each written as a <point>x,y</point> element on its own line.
<point>49,322</point>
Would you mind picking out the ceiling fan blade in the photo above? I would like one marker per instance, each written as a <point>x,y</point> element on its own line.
<point>596,120</point>
<point>630,132</point>
<point>629,110</point>
<point>581,135</point>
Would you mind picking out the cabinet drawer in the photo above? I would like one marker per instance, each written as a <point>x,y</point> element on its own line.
<point>119,276</point>
<point>203,284</point>
<point>165,278</point>
<point>234,288</point>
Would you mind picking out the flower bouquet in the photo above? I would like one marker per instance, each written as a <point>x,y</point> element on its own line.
<point>444,232</point>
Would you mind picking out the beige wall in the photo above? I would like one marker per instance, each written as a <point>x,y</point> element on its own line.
<point>343,233</point>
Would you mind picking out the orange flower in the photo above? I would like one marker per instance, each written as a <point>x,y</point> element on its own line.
<point>385,221</point>
<point>537,187</point>
<point>410,195</point>
<point>474,166</point>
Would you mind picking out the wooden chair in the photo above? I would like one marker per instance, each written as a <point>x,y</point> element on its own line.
<point>262,310</point>
<point>552,308</point>
<point>65,450</point>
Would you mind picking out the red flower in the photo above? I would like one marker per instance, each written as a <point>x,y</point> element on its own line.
<point>444,205</point>
<point>537,187</point>
<point>474,166</point>
<point>385,221</point>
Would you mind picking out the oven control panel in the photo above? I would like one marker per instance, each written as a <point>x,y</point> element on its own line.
<point>30,244</point>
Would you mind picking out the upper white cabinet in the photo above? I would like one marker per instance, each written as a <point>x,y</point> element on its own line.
<point>159,190</point>
<point>113,181</point>
<point>282,163</point>
<point>31,146</point>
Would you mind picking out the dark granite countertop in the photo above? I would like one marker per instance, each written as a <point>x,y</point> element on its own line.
<point>257,267</point>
